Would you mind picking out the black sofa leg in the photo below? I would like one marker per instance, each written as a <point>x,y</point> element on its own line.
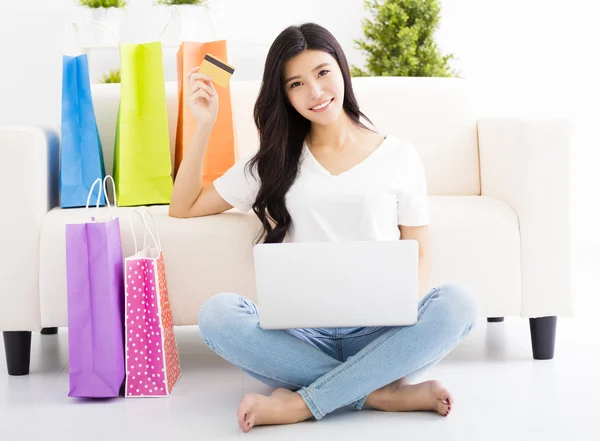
<point>17,346</point>
<point>495,319</point>
<point>49,331</point>
<point>543,335</point>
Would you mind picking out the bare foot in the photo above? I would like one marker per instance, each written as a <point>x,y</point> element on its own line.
<point>282,407</point>
<point>400,396</point>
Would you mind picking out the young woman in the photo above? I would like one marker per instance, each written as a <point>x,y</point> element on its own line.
<point>320,174</point>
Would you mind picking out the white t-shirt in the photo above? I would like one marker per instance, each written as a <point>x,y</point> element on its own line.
<point>367,202</point>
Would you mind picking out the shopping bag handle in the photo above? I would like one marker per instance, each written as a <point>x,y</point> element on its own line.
<point>114,195</point>
<point>157,240</point>
<point>133,231</point>
<point>97,24</point>
<point>87,204</point>
<point>102,187</point>
<point>174,7</point>
<point>146,230</point>
<point>171,9</point>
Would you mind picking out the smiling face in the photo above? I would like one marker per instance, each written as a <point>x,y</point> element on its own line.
<point>314,85</point>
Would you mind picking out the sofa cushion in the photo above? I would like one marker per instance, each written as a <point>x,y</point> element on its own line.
<point>212,254</point>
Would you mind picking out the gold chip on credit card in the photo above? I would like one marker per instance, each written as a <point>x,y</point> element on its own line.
<point>218,70</point>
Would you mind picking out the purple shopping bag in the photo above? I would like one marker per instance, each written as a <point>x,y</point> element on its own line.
<point>95,303</point>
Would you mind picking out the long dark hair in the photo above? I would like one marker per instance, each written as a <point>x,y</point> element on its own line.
<point>282,129</point>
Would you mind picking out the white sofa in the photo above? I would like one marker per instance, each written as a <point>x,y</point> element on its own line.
<point>499,195</point>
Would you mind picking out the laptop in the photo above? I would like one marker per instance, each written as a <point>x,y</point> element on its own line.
<point>337,284</point>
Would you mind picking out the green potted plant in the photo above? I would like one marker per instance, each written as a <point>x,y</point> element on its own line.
<point>102,3</point>
<point>399,40</point>
<point>112,77</point>
<point>109,14</point>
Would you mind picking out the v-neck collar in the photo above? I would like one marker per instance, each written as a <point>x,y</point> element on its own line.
<point>325,171</point>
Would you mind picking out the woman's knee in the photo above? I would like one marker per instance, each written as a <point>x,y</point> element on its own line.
<point>461,302</point>
<point>216,312</point>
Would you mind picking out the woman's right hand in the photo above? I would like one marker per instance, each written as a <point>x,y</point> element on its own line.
<point>202,99</point>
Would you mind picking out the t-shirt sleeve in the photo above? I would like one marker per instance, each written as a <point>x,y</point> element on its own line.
<point>413,205</point>
<point>237,186</point>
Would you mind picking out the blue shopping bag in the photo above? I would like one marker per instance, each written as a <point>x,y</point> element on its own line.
<point>81,159</point>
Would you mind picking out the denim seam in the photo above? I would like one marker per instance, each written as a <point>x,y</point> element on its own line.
<point>427,304</point>
<point>243,365</point>
<point>311,404</point>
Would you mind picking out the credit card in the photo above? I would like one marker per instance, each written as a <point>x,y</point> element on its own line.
<point>218,70</point>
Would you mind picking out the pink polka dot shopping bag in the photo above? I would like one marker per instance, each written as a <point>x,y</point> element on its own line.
<point>95,297</point>
<point>152,358</point>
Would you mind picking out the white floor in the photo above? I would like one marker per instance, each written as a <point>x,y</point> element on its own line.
<point>501,393</point>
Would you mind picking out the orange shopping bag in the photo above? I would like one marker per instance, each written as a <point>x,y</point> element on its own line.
<point>221,151</point>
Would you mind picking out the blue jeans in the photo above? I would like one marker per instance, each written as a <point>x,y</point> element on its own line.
<point>335,367</point>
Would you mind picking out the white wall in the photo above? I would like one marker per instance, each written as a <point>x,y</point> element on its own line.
<point>523,56</point>
<point>539,57</point>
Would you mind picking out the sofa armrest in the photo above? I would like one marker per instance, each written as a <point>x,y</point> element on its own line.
<point>29,161</point>
<point>526,163</point>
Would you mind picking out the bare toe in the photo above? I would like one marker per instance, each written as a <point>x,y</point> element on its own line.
<point>245,415</point>
<point>442,408</point>
<point>443,399</point>
<point>447,397</point>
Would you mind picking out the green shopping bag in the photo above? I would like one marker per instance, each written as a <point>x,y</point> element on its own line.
<point>142,161</point>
